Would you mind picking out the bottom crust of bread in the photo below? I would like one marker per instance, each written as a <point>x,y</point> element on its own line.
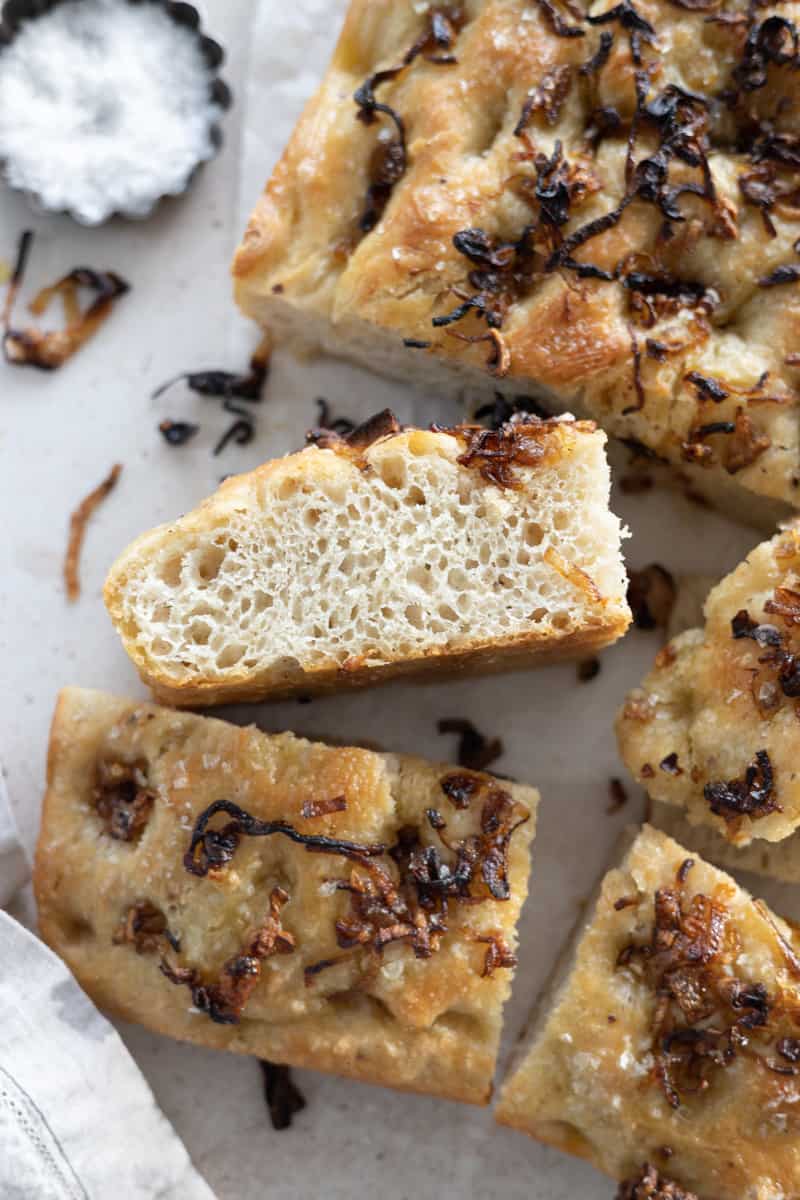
<point>513,654</point>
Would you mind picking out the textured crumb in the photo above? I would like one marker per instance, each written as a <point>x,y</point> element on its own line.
<point>345,562</point>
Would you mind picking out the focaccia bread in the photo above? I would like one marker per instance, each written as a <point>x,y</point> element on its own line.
<point>671,1036</point>
<point>714,727</point>
<point>386,553</point>
<point>594,204</point>
<point>317,906</point>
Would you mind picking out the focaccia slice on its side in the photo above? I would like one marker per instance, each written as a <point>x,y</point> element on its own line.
<point>322,907</point>
<point>594,204</point>
<point>671,1036</point>
<point>714,728</point>
<point>391,552</point>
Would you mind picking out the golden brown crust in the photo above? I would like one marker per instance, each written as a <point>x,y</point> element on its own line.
<point>591,1083</point>
<point>305,264</point>
<point>428,1024</point>
<point>719,699</point>
<point>494,657</point>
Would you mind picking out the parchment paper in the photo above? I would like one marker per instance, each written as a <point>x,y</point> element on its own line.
<point>60,435</point>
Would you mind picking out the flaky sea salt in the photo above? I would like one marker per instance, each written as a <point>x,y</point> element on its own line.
<point>105,106</point>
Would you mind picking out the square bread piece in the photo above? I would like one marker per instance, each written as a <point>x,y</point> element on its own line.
<point>714,727</point>
<point>603,195</point>
<point>389,553</point>
<point>671,1034</point>
<point>313,905</point>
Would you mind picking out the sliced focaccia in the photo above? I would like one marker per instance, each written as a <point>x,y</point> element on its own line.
<point>390,552</point>
<point>714,726</point>
<point>591,203</point>
<point>322,907</point>
<point>671,1036</point>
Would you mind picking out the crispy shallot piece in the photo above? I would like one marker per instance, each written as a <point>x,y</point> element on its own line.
<point>48,350</point>
<point>77,530</point>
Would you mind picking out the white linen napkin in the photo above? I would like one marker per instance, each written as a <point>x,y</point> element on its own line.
<point>77,1119</point>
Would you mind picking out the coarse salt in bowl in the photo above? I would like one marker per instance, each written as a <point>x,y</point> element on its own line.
<point>106,105</point>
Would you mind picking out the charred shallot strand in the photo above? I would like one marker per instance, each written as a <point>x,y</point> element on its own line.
<point>227,386</point>
<point>789,273</point>
<point>49,350</point>
<point>143,927</point>
<point>327,423</point>
<point>753,795</point>
<point>742,626</point>
<point>321,808</point>
<point>223,384</point>
<point>706,388</point>
<point>475,751</point>
<point>212,849</point>
<point>595,64</point>
<point>548,98</point>
<point>225,999</point>
<point>177,433</point>
<point>773,41</point>
<point>649,1184</point>
<point>651,596</point>
<point>556,22</point>
<point>77,530</point>
<point>122,798</point>
<point>744,446</point>
<point>635,25</point>
<point>499,359</point>
<point>638,384</point>
<point>343,435</point>
<point>772,180</point>
<point>390,157</point>
<point>459,788</point>
<point>499,954</point>
<point>284,1100</point>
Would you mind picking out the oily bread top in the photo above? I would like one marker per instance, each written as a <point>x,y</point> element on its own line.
<point>633,357</point>
<point>591,1083</point>
<point>423,1023</point>
<point>722,700</point>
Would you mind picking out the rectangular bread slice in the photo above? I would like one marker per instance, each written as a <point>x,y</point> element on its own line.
<point>551,200</point>
<point>322,907</point>
<point>671,1036</point>
<point>713,729</point>
<point>391,552</point>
